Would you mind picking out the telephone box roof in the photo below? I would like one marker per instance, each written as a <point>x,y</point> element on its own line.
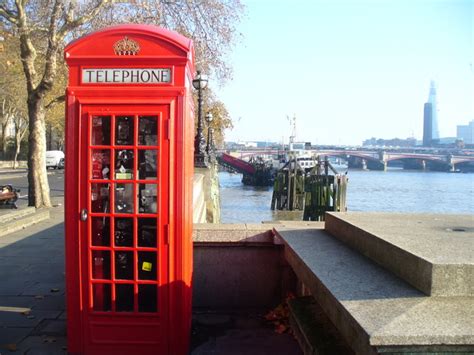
<point>172,38</point>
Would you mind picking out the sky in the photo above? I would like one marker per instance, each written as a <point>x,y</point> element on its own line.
<point>349,70</point>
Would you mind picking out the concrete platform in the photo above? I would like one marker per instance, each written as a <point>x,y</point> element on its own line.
<point>374,310</point>
<point>434,253</point>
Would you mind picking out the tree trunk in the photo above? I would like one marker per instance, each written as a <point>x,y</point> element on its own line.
<point>38,189</point>
<point>49,137</point>
<point>3,146</point>
<point>17,146</point>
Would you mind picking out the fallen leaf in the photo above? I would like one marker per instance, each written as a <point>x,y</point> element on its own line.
<point>49,339</point>
<point>11,347</point>
<point>281,329</point>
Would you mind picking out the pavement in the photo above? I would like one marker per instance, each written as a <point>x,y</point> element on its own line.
<point>32,295</point>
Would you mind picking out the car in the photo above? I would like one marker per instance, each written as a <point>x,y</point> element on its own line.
<point>61,164</point>
<point>53,158</point>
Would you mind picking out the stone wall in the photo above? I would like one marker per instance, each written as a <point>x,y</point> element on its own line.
<point>210,188</point>
<point>238,266</point>
<point>199,199</point>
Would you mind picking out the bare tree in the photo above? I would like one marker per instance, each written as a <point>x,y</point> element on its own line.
<point>43,27</point>
<point>21,127</point>
<point>7,110</point>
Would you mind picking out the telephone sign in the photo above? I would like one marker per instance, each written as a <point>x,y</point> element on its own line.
<point>129,167</point>
<point>126,76</point>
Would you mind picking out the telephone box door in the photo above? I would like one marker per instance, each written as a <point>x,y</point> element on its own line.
<point>124,203</point>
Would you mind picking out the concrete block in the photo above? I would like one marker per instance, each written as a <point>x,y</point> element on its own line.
<point>434,253</point>
<point>373,309</point>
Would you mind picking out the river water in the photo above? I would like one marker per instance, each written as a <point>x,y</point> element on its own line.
<point>395,190</point>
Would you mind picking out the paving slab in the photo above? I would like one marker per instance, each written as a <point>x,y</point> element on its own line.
<point>11,336</point>
<point>434,253</point>
<point>25,319</point>
<point>372,308</point>
<point>42,345</point>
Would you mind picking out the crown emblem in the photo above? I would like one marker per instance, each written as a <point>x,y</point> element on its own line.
<point>126,46</point>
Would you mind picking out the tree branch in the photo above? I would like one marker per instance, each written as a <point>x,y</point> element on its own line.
<point>51,53</point>
<point>8,15</point>
<point>70,24</point>
<point>55,101</point>
<point>27,50</point>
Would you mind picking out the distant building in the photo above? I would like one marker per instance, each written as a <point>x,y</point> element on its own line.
<point>466,132</point>
<point>394,142</point>
<point>427,125</point>
<point>430,118</point>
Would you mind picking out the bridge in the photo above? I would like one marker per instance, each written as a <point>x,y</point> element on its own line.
<point>236,164</point>
<point>379,159</point>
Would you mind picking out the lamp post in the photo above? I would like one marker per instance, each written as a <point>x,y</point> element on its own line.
<point>210,138</point>
<point>200,156</point>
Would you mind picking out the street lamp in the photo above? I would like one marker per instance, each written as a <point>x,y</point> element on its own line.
<point>210,139</point>
<point>200,156</point>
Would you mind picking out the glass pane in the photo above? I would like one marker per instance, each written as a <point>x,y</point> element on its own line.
<point>124,298</point>
<point>101,297</point>
<point>147,265</point>
<point>124,198</point>
<point>147,232</point>
<point>147,298</point>
<point>147,160</point>
<point>100,231</point>
<point>148,131</point>
<point>100,130</point>
<point>124,164</point>
<point>101,264</point>
<point>100,164</point>
<point>100,198</point>
<point>148,198</point>
<point>123,234</point>
<point>124,265</point>
<point>124,130</point>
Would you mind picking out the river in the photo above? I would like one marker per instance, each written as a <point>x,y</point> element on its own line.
<point>395,190</point>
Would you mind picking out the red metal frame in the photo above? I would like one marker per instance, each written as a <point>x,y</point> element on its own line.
<point>105,331</point>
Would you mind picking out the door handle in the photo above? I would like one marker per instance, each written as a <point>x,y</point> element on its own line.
<point>84,215</point>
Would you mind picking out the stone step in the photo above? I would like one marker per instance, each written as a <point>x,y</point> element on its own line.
<point>313,329</point>
<point>434,253</point>
<point>20,219</point>
<point>374,310</point>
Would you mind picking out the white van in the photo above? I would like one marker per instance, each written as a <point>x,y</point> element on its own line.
<point>53,157</point>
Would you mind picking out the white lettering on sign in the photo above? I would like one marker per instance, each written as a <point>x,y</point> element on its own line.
<point>126,76</point>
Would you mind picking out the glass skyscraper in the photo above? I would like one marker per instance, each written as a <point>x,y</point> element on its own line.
<point>434,112</point>
<point>430,118</point>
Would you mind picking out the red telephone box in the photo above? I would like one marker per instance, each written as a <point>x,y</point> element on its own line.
<point>129,167</point>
